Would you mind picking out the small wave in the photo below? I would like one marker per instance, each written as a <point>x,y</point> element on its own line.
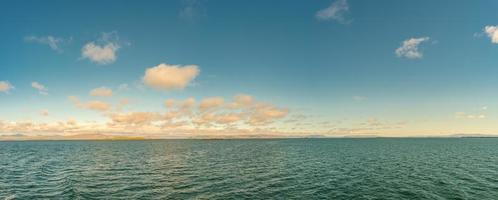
<point>286,169</point>
<point>11,197</point>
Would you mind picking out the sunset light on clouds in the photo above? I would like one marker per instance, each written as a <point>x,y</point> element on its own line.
<point>204,70</point>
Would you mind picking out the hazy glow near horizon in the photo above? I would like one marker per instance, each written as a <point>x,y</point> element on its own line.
<point>247,69</point>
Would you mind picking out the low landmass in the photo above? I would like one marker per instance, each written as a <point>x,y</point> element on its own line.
<point>25,137</point>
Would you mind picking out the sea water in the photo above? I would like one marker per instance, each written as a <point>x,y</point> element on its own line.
<point>439,168</point>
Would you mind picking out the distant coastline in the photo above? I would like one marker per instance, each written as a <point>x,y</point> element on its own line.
<point>102,137</point>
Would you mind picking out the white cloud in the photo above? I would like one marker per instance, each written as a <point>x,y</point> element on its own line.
<point>54,43</point>
<point>5,86</point>
<point>492,32</point>
<point>170,77</point>
<point>335,11</point>
<point>409,48</point>
<point>100,54</point>
<point>101,92</point>
<point>103,51</point>
<point>41,88</point>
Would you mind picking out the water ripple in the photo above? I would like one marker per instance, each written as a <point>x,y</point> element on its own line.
<point>251,169</point>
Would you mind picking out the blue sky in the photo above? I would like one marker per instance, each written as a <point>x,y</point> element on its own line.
<point>337,72</point>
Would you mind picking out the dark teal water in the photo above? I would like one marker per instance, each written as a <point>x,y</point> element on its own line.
<point>464,168</point>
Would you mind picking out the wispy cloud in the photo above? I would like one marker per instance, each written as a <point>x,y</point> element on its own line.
<point>44,112</point>
<point>41,88</point>
<point>370,127</point>
<point>5,86</point>
<point>91,105</point>
<point>463,115</point>
<point>55,43</point>
<point>102,51</point>
<point>410,48</point>
<point>101,92</point>
<point>170,77</point>
<point>211,103</point>
<point>360,98</point>
<point>479,114</point>
<point>123,86</point>
<point>192,10</point>
<point>212,117</point>
<point>209,112</point>
<point>336,11</point>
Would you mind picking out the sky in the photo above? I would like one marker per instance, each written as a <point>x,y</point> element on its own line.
<point>199,68</point>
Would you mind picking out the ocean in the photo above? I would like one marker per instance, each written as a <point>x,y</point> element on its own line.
<point>377,168</point>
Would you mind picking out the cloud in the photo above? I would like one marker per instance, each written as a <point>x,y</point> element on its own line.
<point>170,103</point>
<point>335,11</point>
<point>103,51</point>
<point>372,127</point>
<point>187,104</point>
<point>91,105</point>
<point>170,77</point>
<point>241,101</point>
<point>100,54</point>
<point>263,114</point>
<point>477,114</point>
<point>211,103</point>
<point>98,105</point>
<point>492,33</point>
<point>5,86</point>
<point>121,104</point>
<point>54,43</point>
<point>359,98</point>
<point>124,102</point>
<point>71,129</point>
<point>215,111</point>
<point>463,115</point>
<point>374,122</point>
<point>135,118</point>
<point>192,10</point>
<point>180,107</point>
<point>72,122</point>
<point>210,119</point>
<point>184,118</point>
<point>101,92</point>
<point>41,88</point>
<point>44,112</point>
<point>409,48</point>
<point>209,112</point>
<point>123,87</point>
